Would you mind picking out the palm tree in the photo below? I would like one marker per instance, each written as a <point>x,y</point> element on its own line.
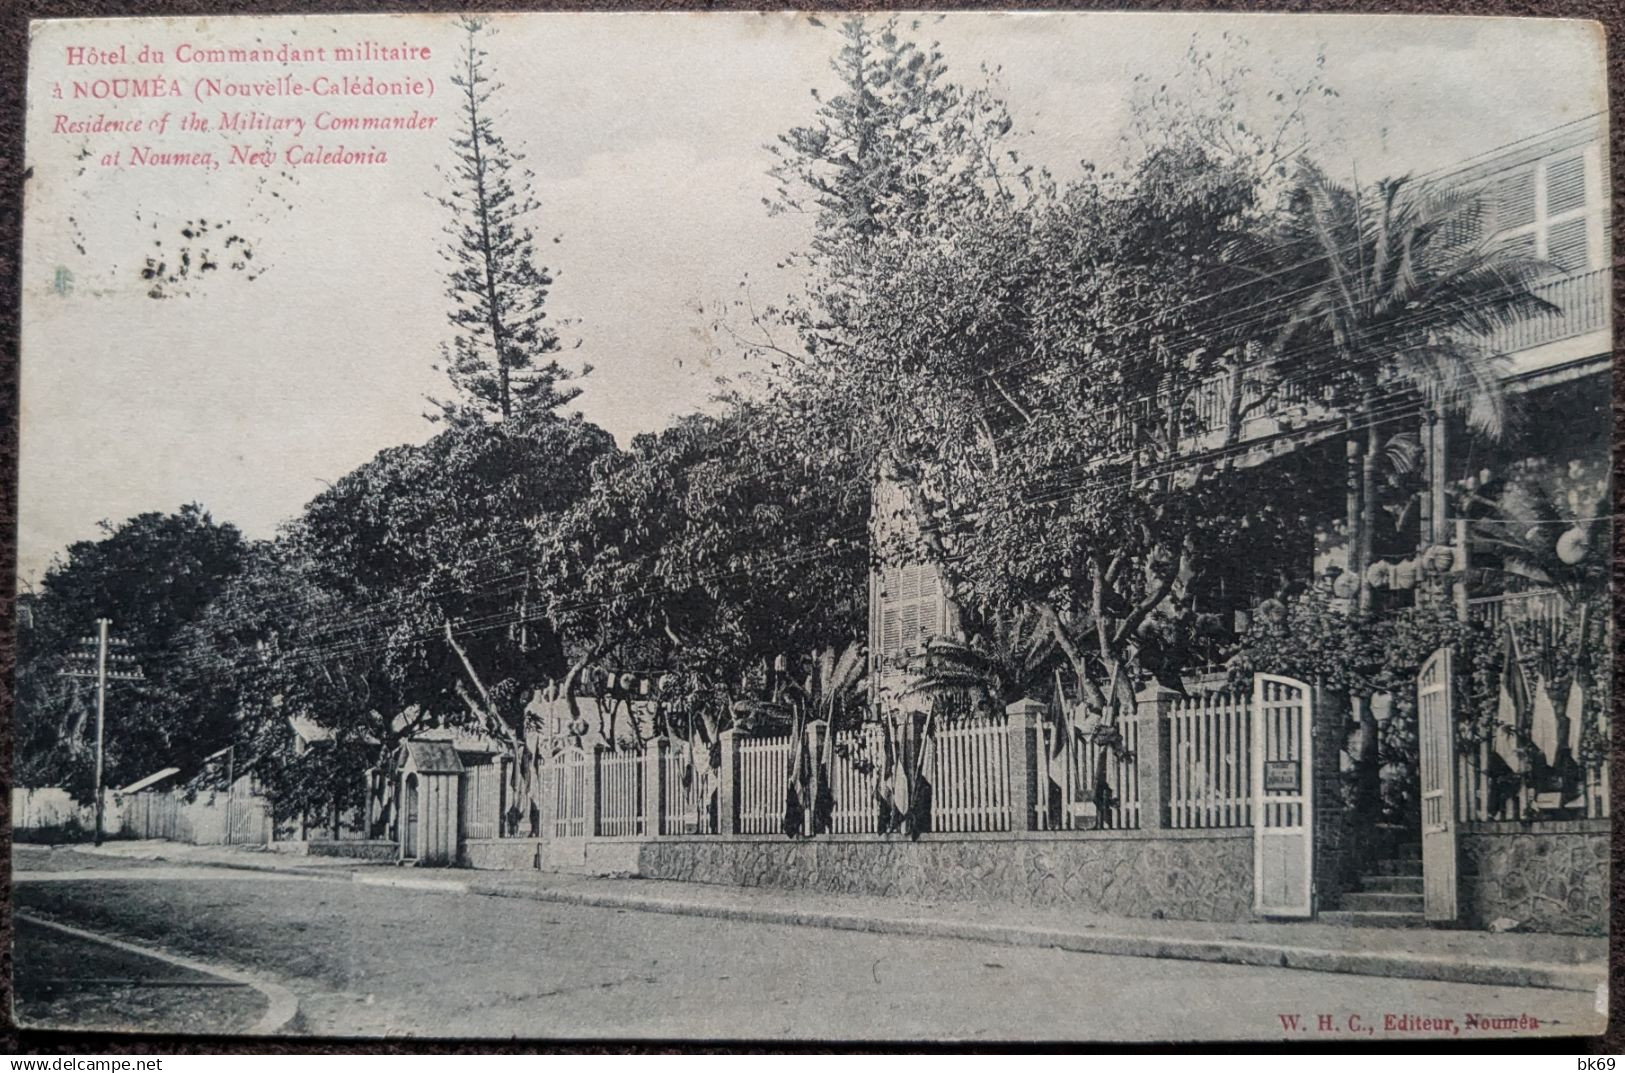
<point>1393,301</point>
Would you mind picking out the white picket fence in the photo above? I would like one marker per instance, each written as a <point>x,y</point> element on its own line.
<point>1209,782</point>
<point>968,768</point>
<point>764,779</point>
<point>570,781</point>
<point>860,757</point>
<point>1068,772</point>
<point>686,808</point>
<point>620,794</point>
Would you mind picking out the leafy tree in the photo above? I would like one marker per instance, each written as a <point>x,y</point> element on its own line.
<point>421,592</point>
<point>264,649</point>
<point>500,361</point>
<point>1035,384</point>
<point>440,535</point>
<point>712,552</point>
<point>153,576</point>
<point>1029,368</point>
<point>897,150</point>
<point>1222,105</point>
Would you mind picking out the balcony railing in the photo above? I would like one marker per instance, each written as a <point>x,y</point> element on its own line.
<point>1545,606</point>
<point>1583,303</point>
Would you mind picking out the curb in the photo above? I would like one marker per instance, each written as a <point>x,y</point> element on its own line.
<point>245,864</point>
<point>444,886</point>
<point>1235,952</point>
<point>281,1004</point>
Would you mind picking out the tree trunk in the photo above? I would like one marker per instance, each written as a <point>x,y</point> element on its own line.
<point>1352,513</point>
<point>1368,509</point>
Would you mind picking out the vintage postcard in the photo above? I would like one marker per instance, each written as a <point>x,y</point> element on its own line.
<point>744,526</point>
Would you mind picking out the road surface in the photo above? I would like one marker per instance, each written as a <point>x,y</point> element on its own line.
<point>368,960</point>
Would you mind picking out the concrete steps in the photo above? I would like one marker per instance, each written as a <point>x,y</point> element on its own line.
<point>1380,884</point>
<point>1360,919</point>
<point>1369,901</point>
<point>1390,896</point>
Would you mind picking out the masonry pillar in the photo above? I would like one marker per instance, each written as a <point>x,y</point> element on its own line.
<point>592,791</point>
<point>1334,857</point>
<point>654,788</point>
<point>1152,757</point>
<point>728,785</point>
<point>1022,720</point>
<point>493,799</point>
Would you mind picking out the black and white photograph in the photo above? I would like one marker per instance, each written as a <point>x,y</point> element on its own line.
<point>846,528</point>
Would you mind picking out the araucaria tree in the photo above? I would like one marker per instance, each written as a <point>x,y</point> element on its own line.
<point>500,360</point>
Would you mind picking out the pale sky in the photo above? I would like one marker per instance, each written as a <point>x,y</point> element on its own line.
<point>646,134</point>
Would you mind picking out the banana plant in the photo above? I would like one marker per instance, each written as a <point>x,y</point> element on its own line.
<point>833,685</point>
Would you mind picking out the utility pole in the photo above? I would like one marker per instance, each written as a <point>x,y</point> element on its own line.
<point>124,669</point>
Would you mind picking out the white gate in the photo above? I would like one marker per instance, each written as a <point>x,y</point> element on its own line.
<point>1436,733</point>
<point>1283,798</point>
<point>570,807</point>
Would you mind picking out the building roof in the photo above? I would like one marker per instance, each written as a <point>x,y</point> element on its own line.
<point>464,741</point>
<point>1579,132</point>
<point>431,757</point>
<point>151,780</point>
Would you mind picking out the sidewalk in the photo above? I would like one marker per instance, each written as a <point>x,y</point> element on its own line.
<point>256,858</point>
<point>1565,962</point>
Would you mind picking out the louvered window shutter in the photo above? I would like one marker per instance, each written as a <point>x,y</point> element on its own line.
<point>1565,185</point>
<point>930,602</point>
<point>1522,244</point>
<point>911,625</point>
<point>1566,245</point>
<point>891,638</point>
<point>1466,227</point>
<point>1515,207</point>
<point>911,608</point>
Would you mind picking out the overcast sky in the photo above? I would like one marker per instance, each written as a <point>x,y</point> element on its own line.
<point>646,134</point>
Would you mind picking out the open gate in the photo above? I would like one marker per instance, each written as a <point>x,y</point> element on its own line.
<point>1436,738</point>
<point>1283,797</point>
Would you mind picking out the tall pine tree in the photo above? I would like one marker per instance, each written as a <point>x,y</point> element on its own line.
<point>898,149</point>
<point>500,360</point>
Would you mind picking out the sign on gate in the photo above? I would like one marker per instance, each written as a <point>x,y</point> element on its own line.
<point>1282,775</point>
<point>1436,738</point>
<point>1283,798</point>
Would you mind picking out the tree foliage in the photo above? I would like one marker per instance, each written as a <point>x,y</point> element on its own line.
<point>153,575</point>
<point>500,361</point>
<point>708,552</point>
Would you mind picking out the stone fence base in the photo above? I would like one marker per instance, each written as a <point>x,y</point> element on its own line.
<point>598,856</point>
<point>1549,876</point>
<point>1198,876</point>
<point>364,850</point>
<point>1545,877</point>
<point>510,854</point>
